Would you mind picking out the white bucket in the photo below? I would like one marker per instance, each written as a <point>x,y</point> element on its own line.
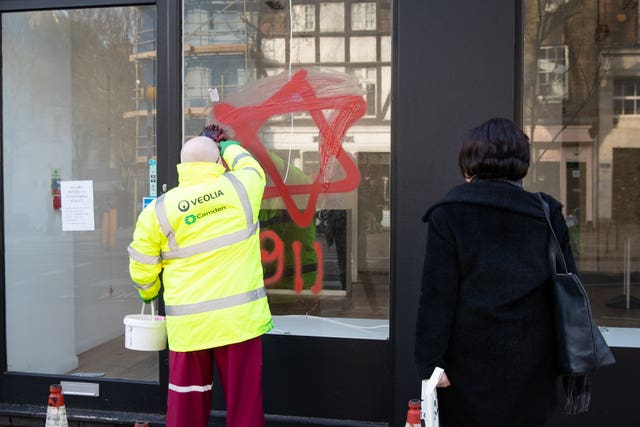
<point>145,332</point>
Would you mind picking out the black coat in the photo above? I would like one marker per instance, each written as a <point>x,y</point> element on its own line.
<point>485,313</point>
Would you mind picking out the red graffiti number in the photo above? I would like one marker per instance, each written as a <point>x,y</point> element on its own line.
<point>277,255</point>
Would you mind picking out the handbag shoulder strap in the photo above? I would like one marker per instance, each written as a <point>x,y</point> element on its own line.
<point>555,251</point>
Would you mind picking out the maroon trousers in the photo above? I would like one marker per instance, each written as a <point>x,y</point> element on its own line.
<point>191,383</point>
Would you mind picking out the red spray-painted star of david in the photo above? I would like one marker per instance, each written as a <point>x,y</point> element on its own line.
<point>297,95</point>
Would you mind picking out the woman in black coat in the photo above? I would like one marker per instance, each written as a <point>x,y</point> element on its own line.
<point>485,313</point>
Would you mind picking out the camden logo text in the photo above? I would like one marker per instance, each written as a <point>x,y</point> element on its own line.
<point>184,205</point>
<point>191,218</point>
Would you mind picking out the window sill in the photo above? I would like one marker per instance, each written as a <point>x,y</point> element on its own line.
<point>331,327</point>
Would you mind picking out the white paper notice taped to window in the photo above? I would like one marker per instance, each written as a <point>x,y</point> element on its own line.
<point>213,94</point>
<point>429,407</point>
<point>77,205</point>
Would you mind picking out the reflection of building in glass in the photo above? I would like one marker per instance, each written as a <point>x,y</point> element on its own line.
<point>219,44</point>
<point>580,108</point>
<point>560,112</point>
<point>582,114</point>
<point>351,37</point>
<point>228,44</point>
<point>217,50</point>
<point>143,57</point>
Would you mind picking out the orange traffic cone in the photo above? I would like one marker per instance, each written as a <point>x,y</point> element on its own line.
<point>56,412</point>
<point>141,424</point>
<point>413,414</point>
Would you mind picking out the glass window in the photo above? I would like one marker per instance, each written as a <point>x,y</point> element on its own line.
<point>303,50</point>
<point>363,16</point>
<point>332,17</point>
<point>586,147</point>
<point>626,94</point>
<point>332,49</point>
<point>304,17</point>
<point>552,73</point>
<point>325,216</point>
<point>363,49</point>
<point>79,153</point>
<point>553,5</point>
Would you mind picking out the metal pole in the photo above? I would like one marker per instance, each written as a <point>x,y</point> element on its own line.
<point>627,272</point>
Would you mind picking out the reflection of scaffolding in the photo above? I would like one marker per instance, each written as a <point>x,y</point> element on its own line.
<point>216,51</point>
<point>143,57</point>
<point>144,60</point>
<point>217,46</point>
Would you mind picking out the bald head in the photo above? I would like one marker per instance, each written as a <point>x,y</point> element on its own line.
<point>200,149</point>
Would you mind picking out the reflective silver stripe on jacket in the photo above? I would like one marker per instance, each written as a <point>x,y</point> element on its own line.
<point>144,287</point>
<point>244,197</point>
<point>211,244</point>
<point>215,304</point>
<point>253,169</point>
<point>163,219</point>
<point>238,158</point>
<point>142,258</point>
<point>215,243</point>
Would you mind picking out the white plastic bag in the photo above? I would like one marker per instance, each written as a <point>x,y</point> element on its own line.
<point>429,411</point>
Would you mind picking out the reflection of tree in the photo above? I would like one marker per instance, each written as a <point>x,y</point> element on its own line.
<point>102,83</point>
<point>553,23</point>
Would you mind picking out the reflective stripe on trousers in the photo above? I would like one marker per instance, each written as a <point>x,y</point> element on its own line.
<point>240,368</point>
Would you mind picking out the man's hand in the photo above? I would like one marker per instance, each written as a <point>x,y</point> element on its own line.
<point>214,132</point>
<point>148,301</point>
<point>444,381</point>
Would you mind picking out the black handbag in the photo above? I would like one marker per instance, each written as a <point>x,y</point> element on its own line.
<point>581,348</point>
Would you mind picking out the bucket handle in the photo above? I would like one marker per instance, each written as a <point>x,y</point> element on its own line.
<point>153,310</point>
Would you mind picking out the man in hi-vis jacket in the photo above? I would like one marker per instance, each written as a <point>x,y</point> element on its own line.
<point>204,237</point>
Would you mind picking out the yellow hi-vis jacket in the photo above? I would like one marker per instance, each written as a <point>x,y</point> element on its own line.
<point>204,237</point>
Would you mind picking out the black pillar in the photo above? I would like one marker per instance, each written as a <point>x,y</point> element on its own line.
<point>456,67</point>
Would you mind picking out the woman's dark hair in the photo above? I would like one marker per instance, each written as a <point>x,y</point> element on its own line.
<point>495,149</point>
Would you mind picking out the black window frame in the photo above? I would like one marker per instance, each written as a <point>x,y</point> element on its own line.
<point>353,362</point>
<point>17,388</point>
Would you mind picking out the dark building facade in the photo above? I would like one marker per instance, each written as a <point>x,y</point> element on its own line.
<point>357,109</point>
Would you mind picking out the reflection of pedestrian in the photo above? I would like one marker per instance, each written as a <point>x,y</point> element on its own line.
<point>279,221</point>
<point>203,237</point>
<point>366,207</point>
<point>485,313</point>
<point>366,217</point>
<point>274,218</point>
<point>335,221</point>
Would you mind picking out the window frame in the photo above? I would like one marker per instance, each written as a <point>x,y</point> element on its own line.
<point>625,97</point>
<point>118,395</point>
<point>19,387</point>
